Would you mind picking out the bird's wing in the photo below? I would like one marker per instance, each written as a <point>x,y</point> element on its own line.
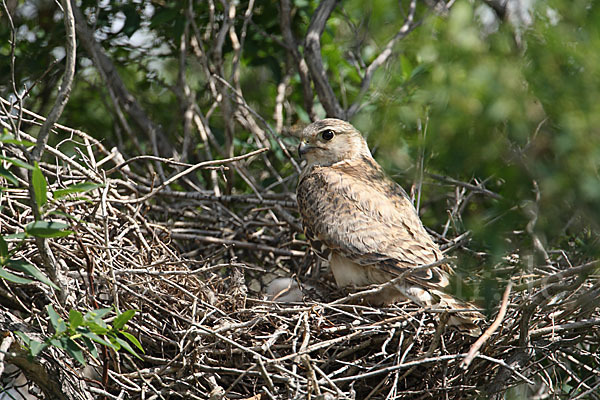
<point>356,211</point>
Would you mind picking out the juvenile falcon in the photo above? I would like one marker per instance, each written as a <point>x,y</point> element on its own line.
<point>365,225</point>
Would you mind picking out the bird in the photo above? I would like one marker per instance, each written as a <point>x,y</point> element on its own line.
<point>365,225</point>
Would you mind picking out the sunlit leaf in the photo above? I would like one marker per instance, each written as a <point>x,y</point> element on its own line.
<point>90,346</point>
<point>75,319</point>
<point>10,139</point>
<point>127,347</point>
<point>74,350</point>
<point>18,235</point>
<point>96,338</point>
<point>23,337</point>
<point>115,343</point>
<point>57,322</point>
<point>133,340</point>
<point>122,319</point>
<point>3,250</point>
<point>37,347</point>
<point>95,315</point>
<point>57,343</point>
<point>97,328</point>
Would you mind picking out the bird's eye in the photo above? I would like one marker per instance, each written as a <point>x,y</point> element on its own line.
<point>328,134</point>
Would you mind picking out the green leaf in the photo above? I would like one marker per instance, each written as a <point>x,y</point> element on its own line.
<point>19,235</point>
<point>115,344</point>
<point>31,270</point>
<point>74,350</point>
<point>47,229</point>
<point>95,315</point>
<point>127,347</point>
<point>97,339</point>
<point>57,343</point>
<point>40,186</point>
<point>75,319</point>
<point>76,188</point>
<point>23,337</point>
<point>57,322</point>
<point>90,346</point>
<point>98,329</point>
<point>6,174</point>
<point>3,250</point>
<point>133,340</point>
<point>122,319</point>
<point>17,162</point>
<point>10,139</point>
<point>4,274</point>
<point>35,347</point>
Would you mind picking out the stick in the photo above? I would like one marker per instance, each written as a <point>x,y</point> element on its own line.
<point>187,171</point>
<point>474,351</point>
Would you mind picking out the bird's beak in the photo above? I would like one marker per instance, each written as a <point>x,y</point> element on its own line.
<point>303,148</point>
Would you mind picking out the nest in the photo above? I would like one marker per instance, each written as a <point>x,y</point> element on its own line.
<point>195,266</point>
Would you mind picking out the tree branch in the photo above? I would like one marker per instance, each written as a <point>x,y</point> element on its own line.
<point>37,373</point>
<point>290,41</point>
<point>115,84</point>
<point>65,88</point>
<point>499,7</point>
<point>406,28</point>
<point>474,350</point>
<point>312,54</point>
<point>59,105</point>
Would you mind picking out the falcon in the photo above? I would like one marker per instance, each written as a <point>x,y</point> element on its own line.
<point>366,226</point>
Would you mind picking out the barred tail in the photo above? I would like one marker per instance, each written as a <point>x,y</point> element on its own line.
<point>464,320</point>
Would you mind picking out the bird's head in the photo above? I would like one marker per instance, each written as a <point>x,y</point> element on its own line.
<point>331,140</point>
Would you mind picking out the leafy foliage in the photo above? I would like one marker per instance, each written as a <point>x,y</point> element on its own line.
<point>78,334</point>
<point>41,229</point>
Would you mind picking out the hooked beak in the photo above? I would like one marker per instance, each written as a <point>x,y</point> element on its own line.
<point>303,148</point>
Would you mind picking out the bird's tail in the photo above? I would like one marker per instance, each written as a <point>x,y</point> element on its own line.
<point>463,315</point>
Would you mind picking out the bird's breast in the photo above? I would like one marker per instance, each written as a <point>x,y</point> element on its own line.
<point>347,272</point>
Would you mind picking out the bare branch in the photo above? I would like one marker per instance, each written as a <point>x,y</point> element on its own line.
<point>560,276</point>
<point>292,46</point>
<point>65,87</point>
<point>115,84</point>
<point>13,43</point>
<point>406,28</point>
<point>37,373</point>
<point>191,169</point>
<point>276,137</point>
<point>312,54</point>
<point>42,139</point>
<point>474,350</point>
<point>476,188</point>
